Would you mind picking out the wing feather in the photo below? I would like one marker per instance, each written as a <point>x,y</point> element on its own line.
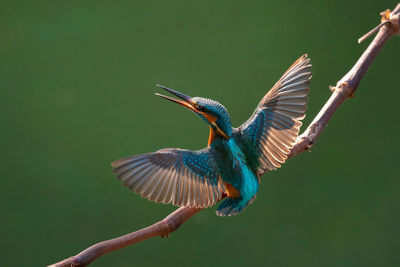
<point>269,134</point>
<point>177,176</point>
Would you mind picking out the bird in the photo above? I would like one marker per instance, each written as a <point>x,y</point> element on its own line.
<point>230,167</point>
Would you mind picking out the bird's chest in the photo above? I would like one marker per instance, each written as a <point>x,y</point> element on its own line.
<point>232,164</point>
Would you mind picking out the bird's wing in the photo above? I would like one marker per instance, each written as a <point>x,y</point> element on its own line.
<point>171,175</point>
<point>270,133</point>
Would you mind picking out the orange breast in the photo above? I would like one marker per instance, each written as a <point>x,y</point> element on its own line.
<point>211,137</point>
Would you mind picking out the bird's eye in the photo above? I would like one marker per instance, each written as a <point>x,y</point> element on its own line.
<point>200,108</point>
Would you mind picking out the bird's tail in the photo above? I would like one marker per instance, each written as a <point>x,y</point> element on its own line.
<point>233,206</point>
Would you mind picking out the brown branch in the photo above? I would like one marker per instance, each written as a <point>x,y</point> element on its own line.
<point>346,86</point>
<point>344,89</point>
<point>162,228</point>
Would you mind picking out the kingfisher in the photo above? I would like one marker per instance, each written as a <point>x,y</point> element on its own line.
<point>230,167</point>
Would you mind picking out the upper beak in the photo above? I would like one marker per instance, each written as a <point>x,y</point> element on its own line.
<point>186,99</point>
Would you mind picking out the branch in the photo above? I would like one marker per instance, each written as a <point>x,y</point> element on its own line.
<point>345,88</point>
<point>162,228</point>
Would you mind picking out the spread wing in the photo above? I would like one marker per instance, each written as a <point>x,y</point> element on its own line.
<point>269,134</point>
<point>171,175</point>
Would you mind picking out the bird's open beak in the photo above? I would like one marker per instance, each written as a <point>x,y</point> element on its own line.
<point>186,99</point>
<point>190,104</point>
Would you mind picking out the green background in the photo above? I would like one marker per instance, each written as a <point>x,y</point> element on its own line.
<point>77,84</point>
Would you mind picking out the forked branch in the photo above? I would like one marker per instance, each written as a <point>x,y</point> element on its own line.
<point>344,89</point>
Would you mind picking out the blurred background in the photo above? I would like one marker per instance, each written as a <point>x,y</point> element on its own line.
<point>77,84</point>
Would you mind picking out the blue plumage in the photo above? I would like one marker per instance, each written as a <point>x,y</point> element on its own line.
<point>241,177</point>
<point>232,164</point>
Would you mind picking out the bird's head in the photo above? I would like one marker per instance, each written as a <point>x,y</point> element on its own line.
<point>209,110</point>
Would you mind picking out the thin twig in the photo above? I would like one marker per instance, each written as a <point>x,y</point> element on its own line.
<point>344,89</point>
<point>371,32</point>
<point>387,18</point>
